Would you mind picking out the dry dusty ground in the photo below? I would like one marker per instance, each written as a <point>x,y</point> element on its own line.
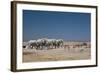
<point>32,55</point>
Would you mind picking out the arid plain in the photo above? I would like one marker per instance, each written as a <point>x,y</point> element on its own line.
<point>67,52</point>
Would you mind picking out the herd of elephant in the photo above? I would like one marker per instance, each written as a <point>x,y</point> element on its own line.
<point>44,44</point>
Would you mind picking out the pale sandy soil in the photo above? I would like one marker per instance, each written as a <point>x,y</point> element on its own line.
<point>32,55</point>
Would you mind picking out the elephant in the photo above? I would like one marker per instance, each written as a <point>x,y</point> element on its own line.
<point>45,43</point>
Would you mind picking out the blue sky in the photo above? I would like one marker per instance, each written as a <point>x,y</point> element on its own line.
<point>58,25</point>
